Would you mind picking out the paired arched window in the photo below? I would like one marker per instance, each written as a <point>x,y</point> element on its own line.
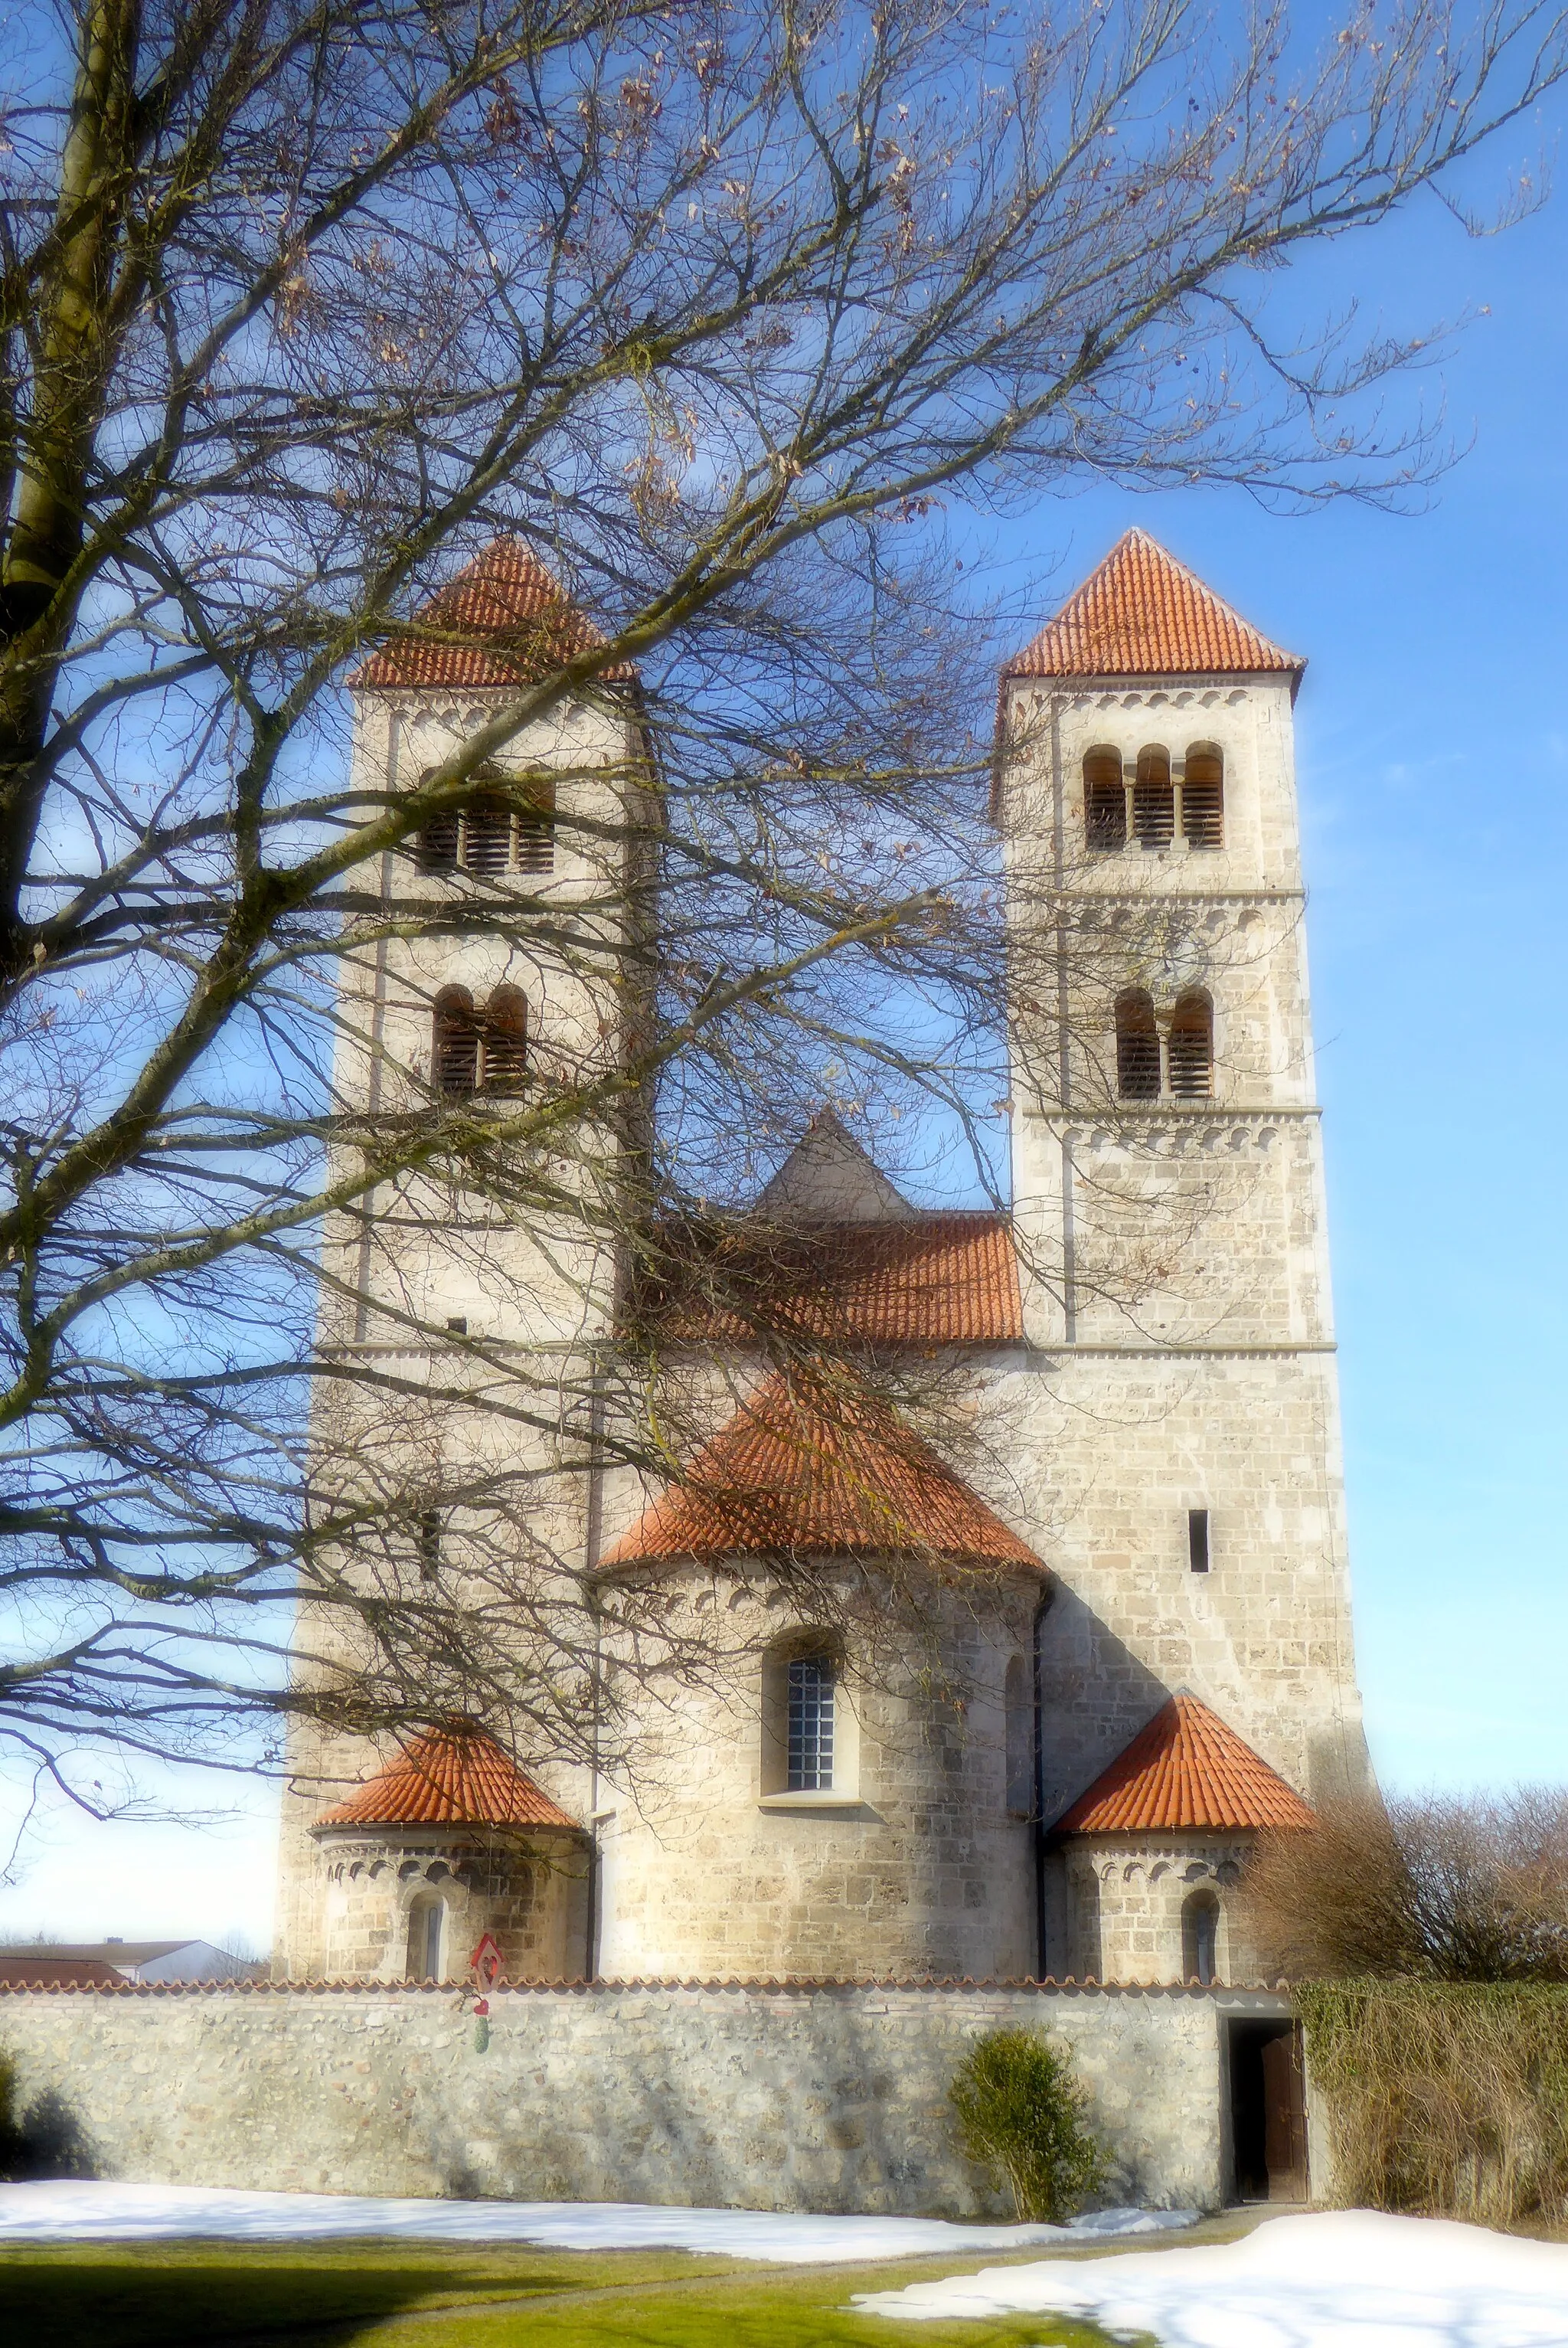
<point>1191,1046</point>
<point>1199,1936</point>
<point>1019,1701</point>
<point>426,1940</point>
<point>476,1051</point>
<point>1155,795</point>
<point>493,832</point>
<point>1137,1046</point>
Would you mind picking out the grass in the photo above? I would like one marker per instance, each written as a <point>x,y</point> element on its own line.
<point>385,2295</point>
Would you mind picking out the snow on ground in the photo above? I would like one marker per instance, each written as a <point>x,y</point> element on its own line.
<point>124,2213</point>
<point>1356,2279</point>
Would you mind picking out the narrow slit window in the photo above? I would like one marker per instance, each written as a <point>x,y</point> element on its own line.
<point>1198,1540</point>
<point>504,1044</point>
<point>1200,1937</point>
<point>1154,800</point>
<point>455,1048</point>
<point>811,1709</point>
<point>1137,1047</point>
<point>429,1544</point>
<point>1104,801</point>
<point>1193,1048</point>
<point>1204,799</point>
<point>425,1919</point>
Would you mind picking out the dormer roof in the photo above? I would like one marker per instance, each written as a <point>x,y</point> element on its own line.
<point>449,1776</point>
<point>814,1470</point>
<point>1143,613</point>
<point>503,621</point>
<point>1185,1772</point>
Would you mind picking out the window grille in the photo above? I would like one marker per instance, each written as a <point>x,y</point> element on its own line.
<point>1137,1047</point>
<point>811,1704</point>
<point>1104,801</point>
<point>1153,800</point>
<point>1192,1048</point>
<point>1203,799</point>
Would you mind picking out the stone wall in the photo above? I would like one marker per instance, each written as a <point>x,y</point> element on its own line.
<point>826,2096</point>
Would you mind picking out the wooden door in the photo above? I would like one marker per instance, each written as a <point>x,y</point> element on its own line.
<point>1284,2117</point>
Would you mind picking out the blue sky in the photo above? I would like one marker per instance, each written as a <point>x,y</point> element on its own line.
<point>1433,759</point>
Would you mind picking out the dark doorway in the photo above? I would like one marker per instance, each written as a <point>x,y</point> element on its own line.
<point>1268,2111</point>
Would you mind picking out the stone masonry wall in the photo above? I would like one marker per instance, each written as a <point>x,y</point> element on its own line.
<point>809,2096</point>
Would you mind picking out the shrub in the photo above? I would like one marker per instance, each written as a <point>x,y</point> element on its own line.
<point>1020,2117</point>
<point>1444,2099</point>
<point>1434,1888</point>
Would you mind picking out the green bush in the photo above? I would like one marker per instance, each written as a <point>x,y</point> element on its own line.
<point>1020,2117</point>
<point>1444,2099</point>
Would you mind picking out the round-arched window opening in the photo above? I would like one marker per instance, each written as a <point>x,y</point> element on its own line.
<point>1200,1937</point>
<point>426,1940</point>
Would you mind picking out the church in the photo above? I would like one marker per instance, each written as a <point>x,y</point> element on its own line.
<point>1135,1650</point>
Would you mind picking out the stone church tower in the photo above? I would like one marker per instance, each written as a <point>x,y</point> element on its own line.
<point>1141,1599</point>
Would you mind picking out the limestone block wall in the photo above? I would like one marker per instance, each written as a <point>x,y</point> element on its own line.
<point>1127,1901</point>
<point>529,1893</point>
<point>811,2096</point>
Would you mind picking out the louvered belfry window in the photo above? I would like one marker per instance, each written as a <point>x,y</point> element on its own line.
<point>1203,798</point>
<point>1104,801</point>
<point>1154,800</point>
<point>493,833</point>
<point>811,1695</point>
<point>455,1049</point>
<point>504,1042</point>
<point>1192,1047</point>
<point>1137,1046</point>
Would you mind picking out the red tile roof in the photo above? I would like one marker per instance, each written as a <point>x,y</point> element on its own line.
<point>56,1972</point>
<point>933,1280</point>
<point>1143,613</point>
<point>503,621</point>
<point>805,1468</point>
<point>450,1777</point>
<point>1185,1770</point>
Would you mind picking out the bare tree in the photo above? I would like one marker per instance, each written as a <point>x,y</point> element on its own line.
<point>714,310</point>
<point>1436,1888</point>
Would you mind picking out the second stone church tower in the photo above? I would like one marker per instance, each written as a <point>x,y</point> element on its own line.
<point>1139,1580</point>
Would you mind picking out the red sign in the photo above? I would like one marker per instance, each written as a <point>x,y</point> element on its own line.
<point>486,1962</point>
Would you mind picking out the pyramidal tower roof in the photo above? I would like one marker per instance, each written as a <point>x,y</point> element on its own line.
<point>503,621</point>
<point>1143,613</point>
<point>811,1470</point>
<point>1185,1770</point>
<point>449,1776</point>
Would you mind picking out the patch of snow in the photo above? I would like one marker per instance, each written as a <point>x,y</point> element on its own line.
<point>74,2212</point>
<point>67,2212</point>
<point>1355,2279</point>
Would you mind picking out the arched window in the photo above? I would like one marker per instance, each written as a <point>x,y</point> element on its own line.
<point>811,1686</point>
<point>1137,1046</point>
<point>493,832</point>
<point>1020,1707</point>
<point>504,1042</point>
<point>1104,800</point>
<point>1153,800</point>
<point>455,1047</point>
<point>1202,797</point>
<point>1199,1936</point>
<point>1192,1047</point>
<point>426,1940</point>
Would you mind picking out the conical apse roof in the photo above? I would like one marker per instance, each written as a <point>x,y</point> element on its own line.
<point>801,1468</point>
<point>450,1777</point>
<point>1185,1771</point>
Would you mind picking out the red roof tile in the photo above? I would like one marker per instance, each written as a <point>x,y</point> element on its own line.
<point>450,1777</point>
<point>1185,1770</point>
<point>503,621</point>
<point>935,1280</point>
<point>802,1469</point>
<point>1143,613</point>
